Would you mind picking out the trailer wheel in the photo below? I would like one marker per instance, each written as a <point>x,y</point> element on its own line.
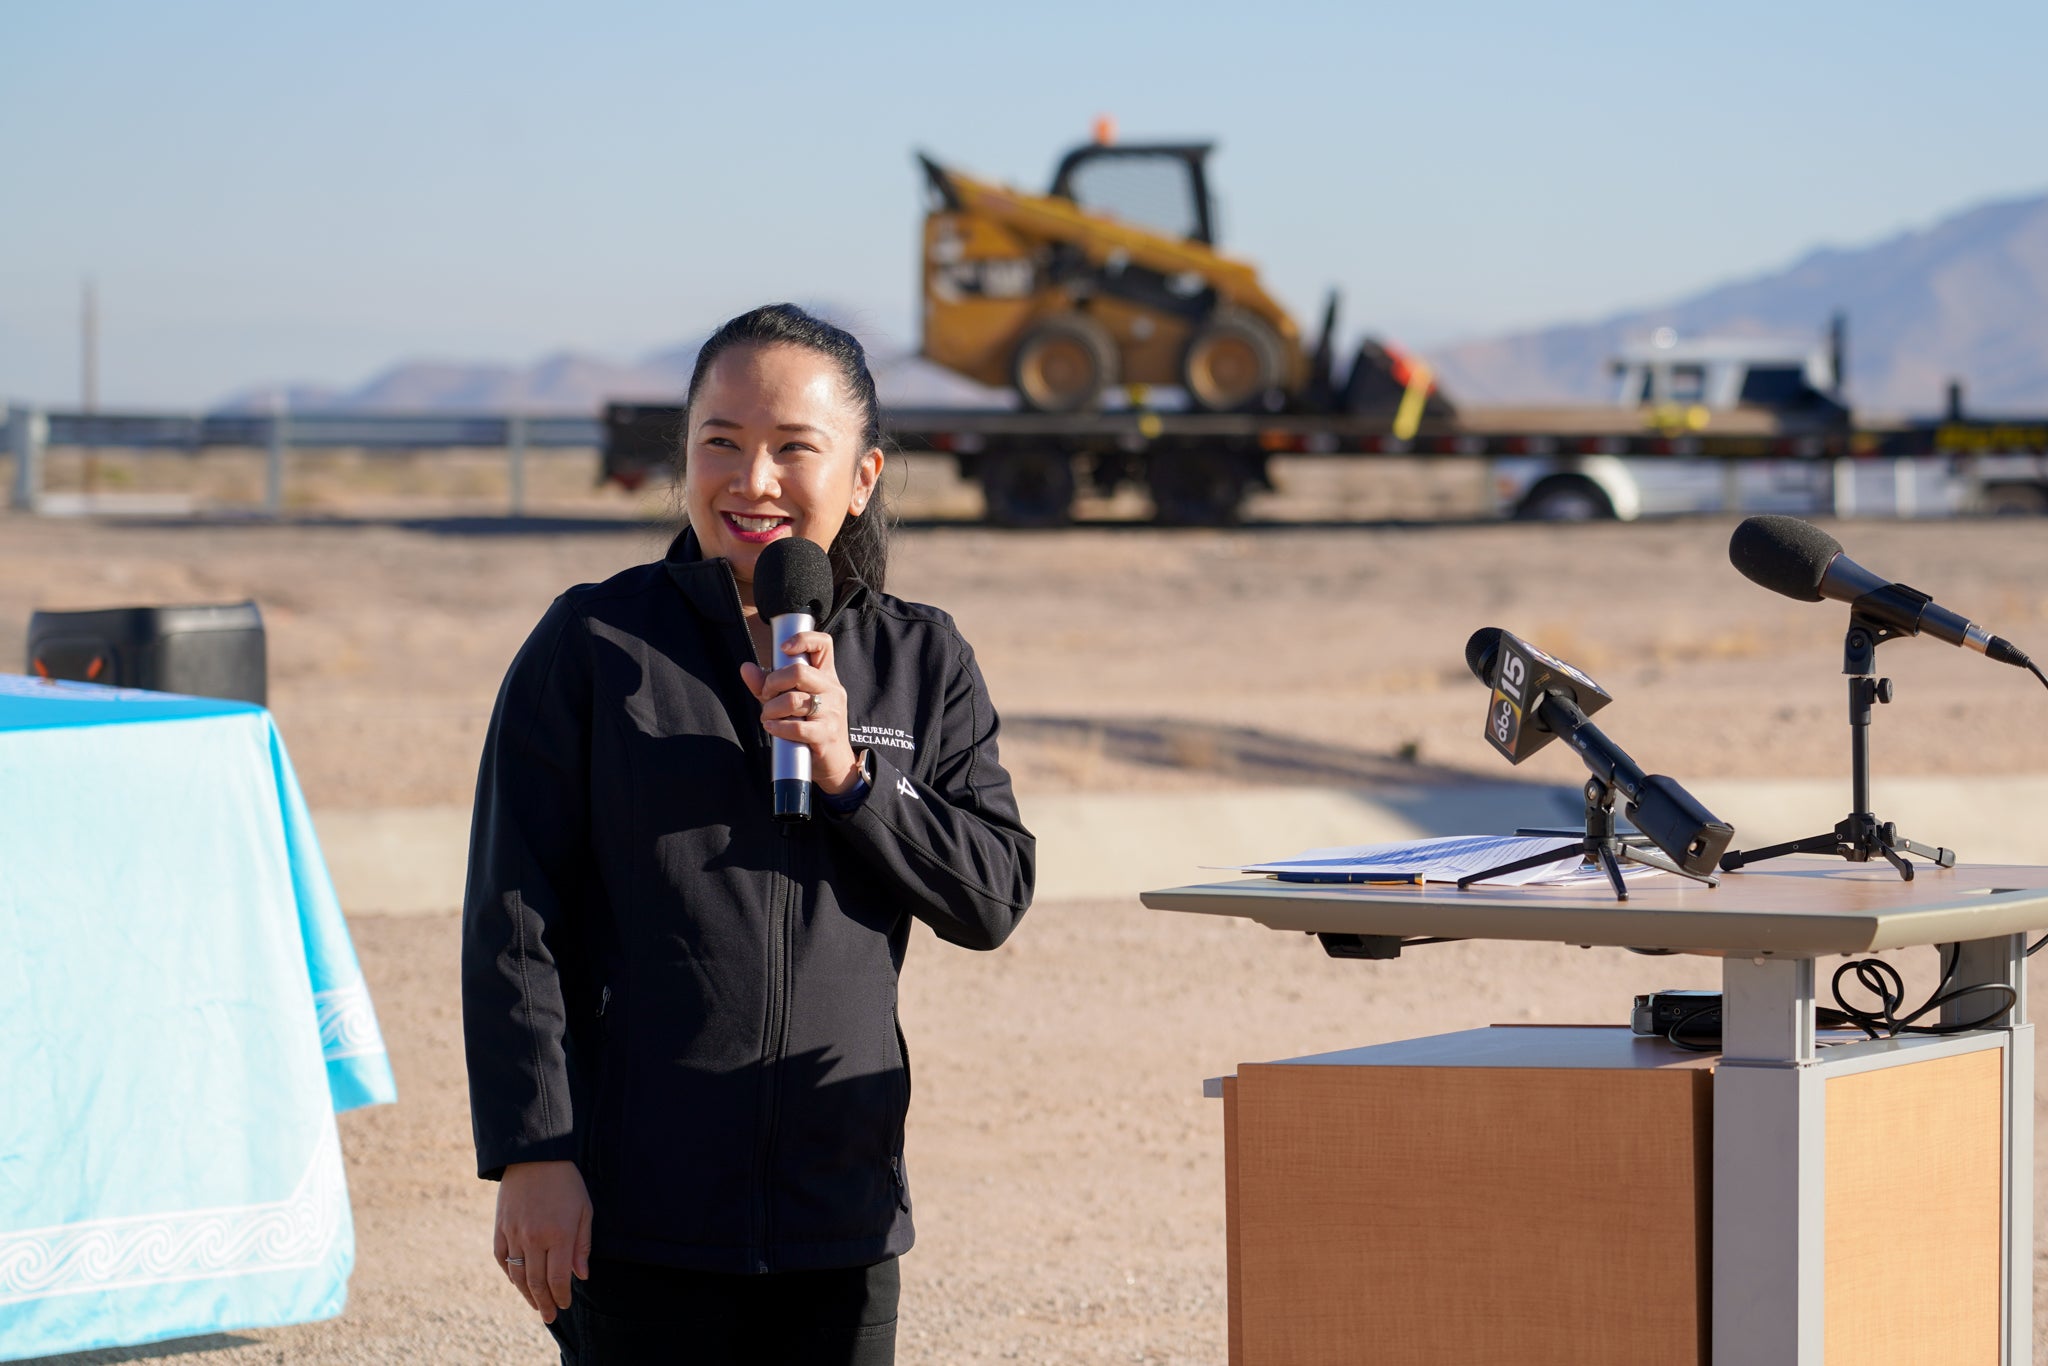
<point>1064,364</point>
<point>1196,488</point>
<point>1028,490</point>
<point>1565,498</point>
<point>1233,359</point>
<point>2016,500</point>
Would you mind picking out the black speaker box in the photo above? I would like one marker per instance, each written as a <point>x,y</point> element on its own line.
<point>213,651</point>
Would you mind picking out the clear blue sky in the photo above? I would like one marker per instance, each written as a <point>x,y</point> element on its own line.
<point>269,192</point>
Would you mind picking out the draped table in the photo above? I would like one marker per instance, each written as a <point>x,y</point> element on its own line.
<point>181,1017</point>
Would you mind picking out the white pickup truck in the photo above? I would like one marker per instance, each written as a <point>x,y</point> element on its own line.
<point>1723,385</point>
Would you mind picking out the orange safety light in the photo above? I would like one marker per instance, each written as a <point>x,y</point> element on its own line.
<point>1105,129</point>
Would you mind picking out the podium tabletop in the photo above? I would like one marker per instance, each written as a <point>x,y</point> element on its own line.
<point>1802,906</point>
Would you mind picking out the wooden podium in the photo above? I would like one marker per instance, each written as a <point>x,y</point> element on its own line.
<point>1581,1196</point>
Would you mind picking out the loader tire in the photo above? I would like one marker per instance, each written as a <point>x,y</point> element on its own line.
<point>1064,364</point>
<point>1233,360</point>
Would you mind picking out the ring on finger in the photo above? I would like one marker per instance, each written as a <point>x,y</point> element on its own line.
<point>817,705</point>
<point>515,1261</point>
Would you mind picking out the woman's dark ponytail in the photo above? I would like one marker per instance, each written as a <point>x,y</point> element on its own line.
<point>860,552</point>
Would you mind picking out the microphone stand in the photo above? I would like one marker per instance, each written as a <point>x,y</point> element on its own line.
<point>1861,836</point>
<point>1600,845</point>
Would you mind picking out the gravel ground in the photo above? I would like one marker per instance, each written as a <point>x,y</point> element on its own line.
<point>1128,658</point>
<point>1067,1173</point>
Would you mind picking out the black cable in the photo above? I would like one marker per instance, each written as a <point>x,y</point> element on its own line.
<point>2037,945</point>
<point>1705,1045</point>
<point>2036,668</point>
<point>1882,980</point>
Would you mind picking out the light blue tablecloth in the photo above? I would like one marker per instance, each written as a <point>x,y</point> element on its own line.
<point>181,1015</point>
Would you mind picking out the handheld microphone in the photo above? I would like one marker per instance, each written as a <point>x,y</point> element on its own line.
<point>1801,561</point>
<point>1537,697</point>
<point>793,589</point>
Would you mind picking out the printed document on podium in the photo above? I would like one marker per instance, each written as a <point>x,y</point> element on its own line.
<point>1444,859</point>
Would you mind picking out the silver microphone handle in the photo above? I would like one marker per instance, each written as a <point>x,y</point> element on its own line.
<point>792,760</point>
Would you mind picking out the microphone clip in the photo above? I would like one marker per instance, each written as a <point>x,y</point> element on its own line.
<point>1889,613</point>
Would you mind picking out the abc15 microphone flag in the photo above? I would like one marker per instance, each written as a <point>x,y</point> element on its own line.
<point>1522,675</point>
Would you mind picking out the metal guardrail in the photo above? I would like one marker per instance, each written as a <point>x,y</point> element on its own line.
<point>30,432</point>
<point>365,431</point>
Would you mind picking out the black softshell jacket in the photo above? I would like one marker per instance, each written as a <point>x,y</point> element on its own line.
<point>694,1002</point>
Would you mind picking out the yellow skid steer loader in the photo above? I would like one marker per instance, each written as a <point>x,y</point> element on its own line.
<point>1112,278</point>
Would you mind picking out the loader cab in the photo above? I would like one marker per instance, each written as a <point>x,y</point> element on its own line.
<point>1160,186</point>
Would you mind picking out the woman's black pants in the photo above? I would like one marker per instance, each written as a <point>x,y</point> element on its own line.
<point>634,1314</point>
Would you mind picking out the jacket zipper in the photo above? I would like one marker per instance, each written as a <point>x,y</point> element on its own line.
<point>778,1043</point>
<point>778,987</point>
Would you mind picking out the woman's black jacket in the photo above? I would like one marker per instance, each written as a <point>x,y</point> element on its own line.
<point>695,1002</point>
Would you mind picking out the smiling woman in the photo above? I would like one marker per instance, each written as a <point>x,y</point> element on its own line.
<point>679,1013</point>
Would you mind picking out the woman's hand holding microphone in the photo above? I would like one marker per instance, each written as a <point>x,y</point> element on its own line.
<point>804,701</point>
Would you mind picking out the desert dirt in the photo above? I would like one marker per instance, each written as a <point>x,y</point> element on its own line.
<point>1067,1173</point>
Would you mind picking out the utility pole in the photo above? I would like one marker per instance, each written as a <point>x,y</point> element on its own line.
<point>89,349</point>
<point>89,375</point>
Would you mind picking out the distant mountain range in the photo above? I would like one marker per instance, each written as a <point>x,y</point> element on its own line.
<point>1965,299</point>
<point>573,382</point>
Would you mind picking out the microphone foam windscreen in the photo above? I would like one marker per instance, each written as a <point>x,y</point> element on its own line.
<point>1783,554</point>
<point>1480,652</point>
<point>793,575</point>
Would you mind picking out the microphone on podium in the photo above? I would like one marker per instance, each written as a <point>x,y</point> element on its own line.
<point>1538,697</point>
<point>1801,561</point>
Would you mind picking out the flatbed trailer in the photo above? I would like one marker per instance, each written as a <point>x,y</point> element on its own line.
<point>1198,467</point>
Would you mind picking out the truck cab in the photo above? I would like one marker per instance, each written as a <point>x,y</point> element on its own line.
<point>1794,384</point>
<point>1742,386</point>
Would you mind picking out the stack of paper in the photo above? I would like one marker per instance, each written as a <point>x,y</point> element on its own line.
<point>1441,860</point>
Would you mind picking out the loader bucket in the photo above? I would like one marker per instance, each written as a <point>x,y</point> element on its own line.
<point>1380,376</point>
